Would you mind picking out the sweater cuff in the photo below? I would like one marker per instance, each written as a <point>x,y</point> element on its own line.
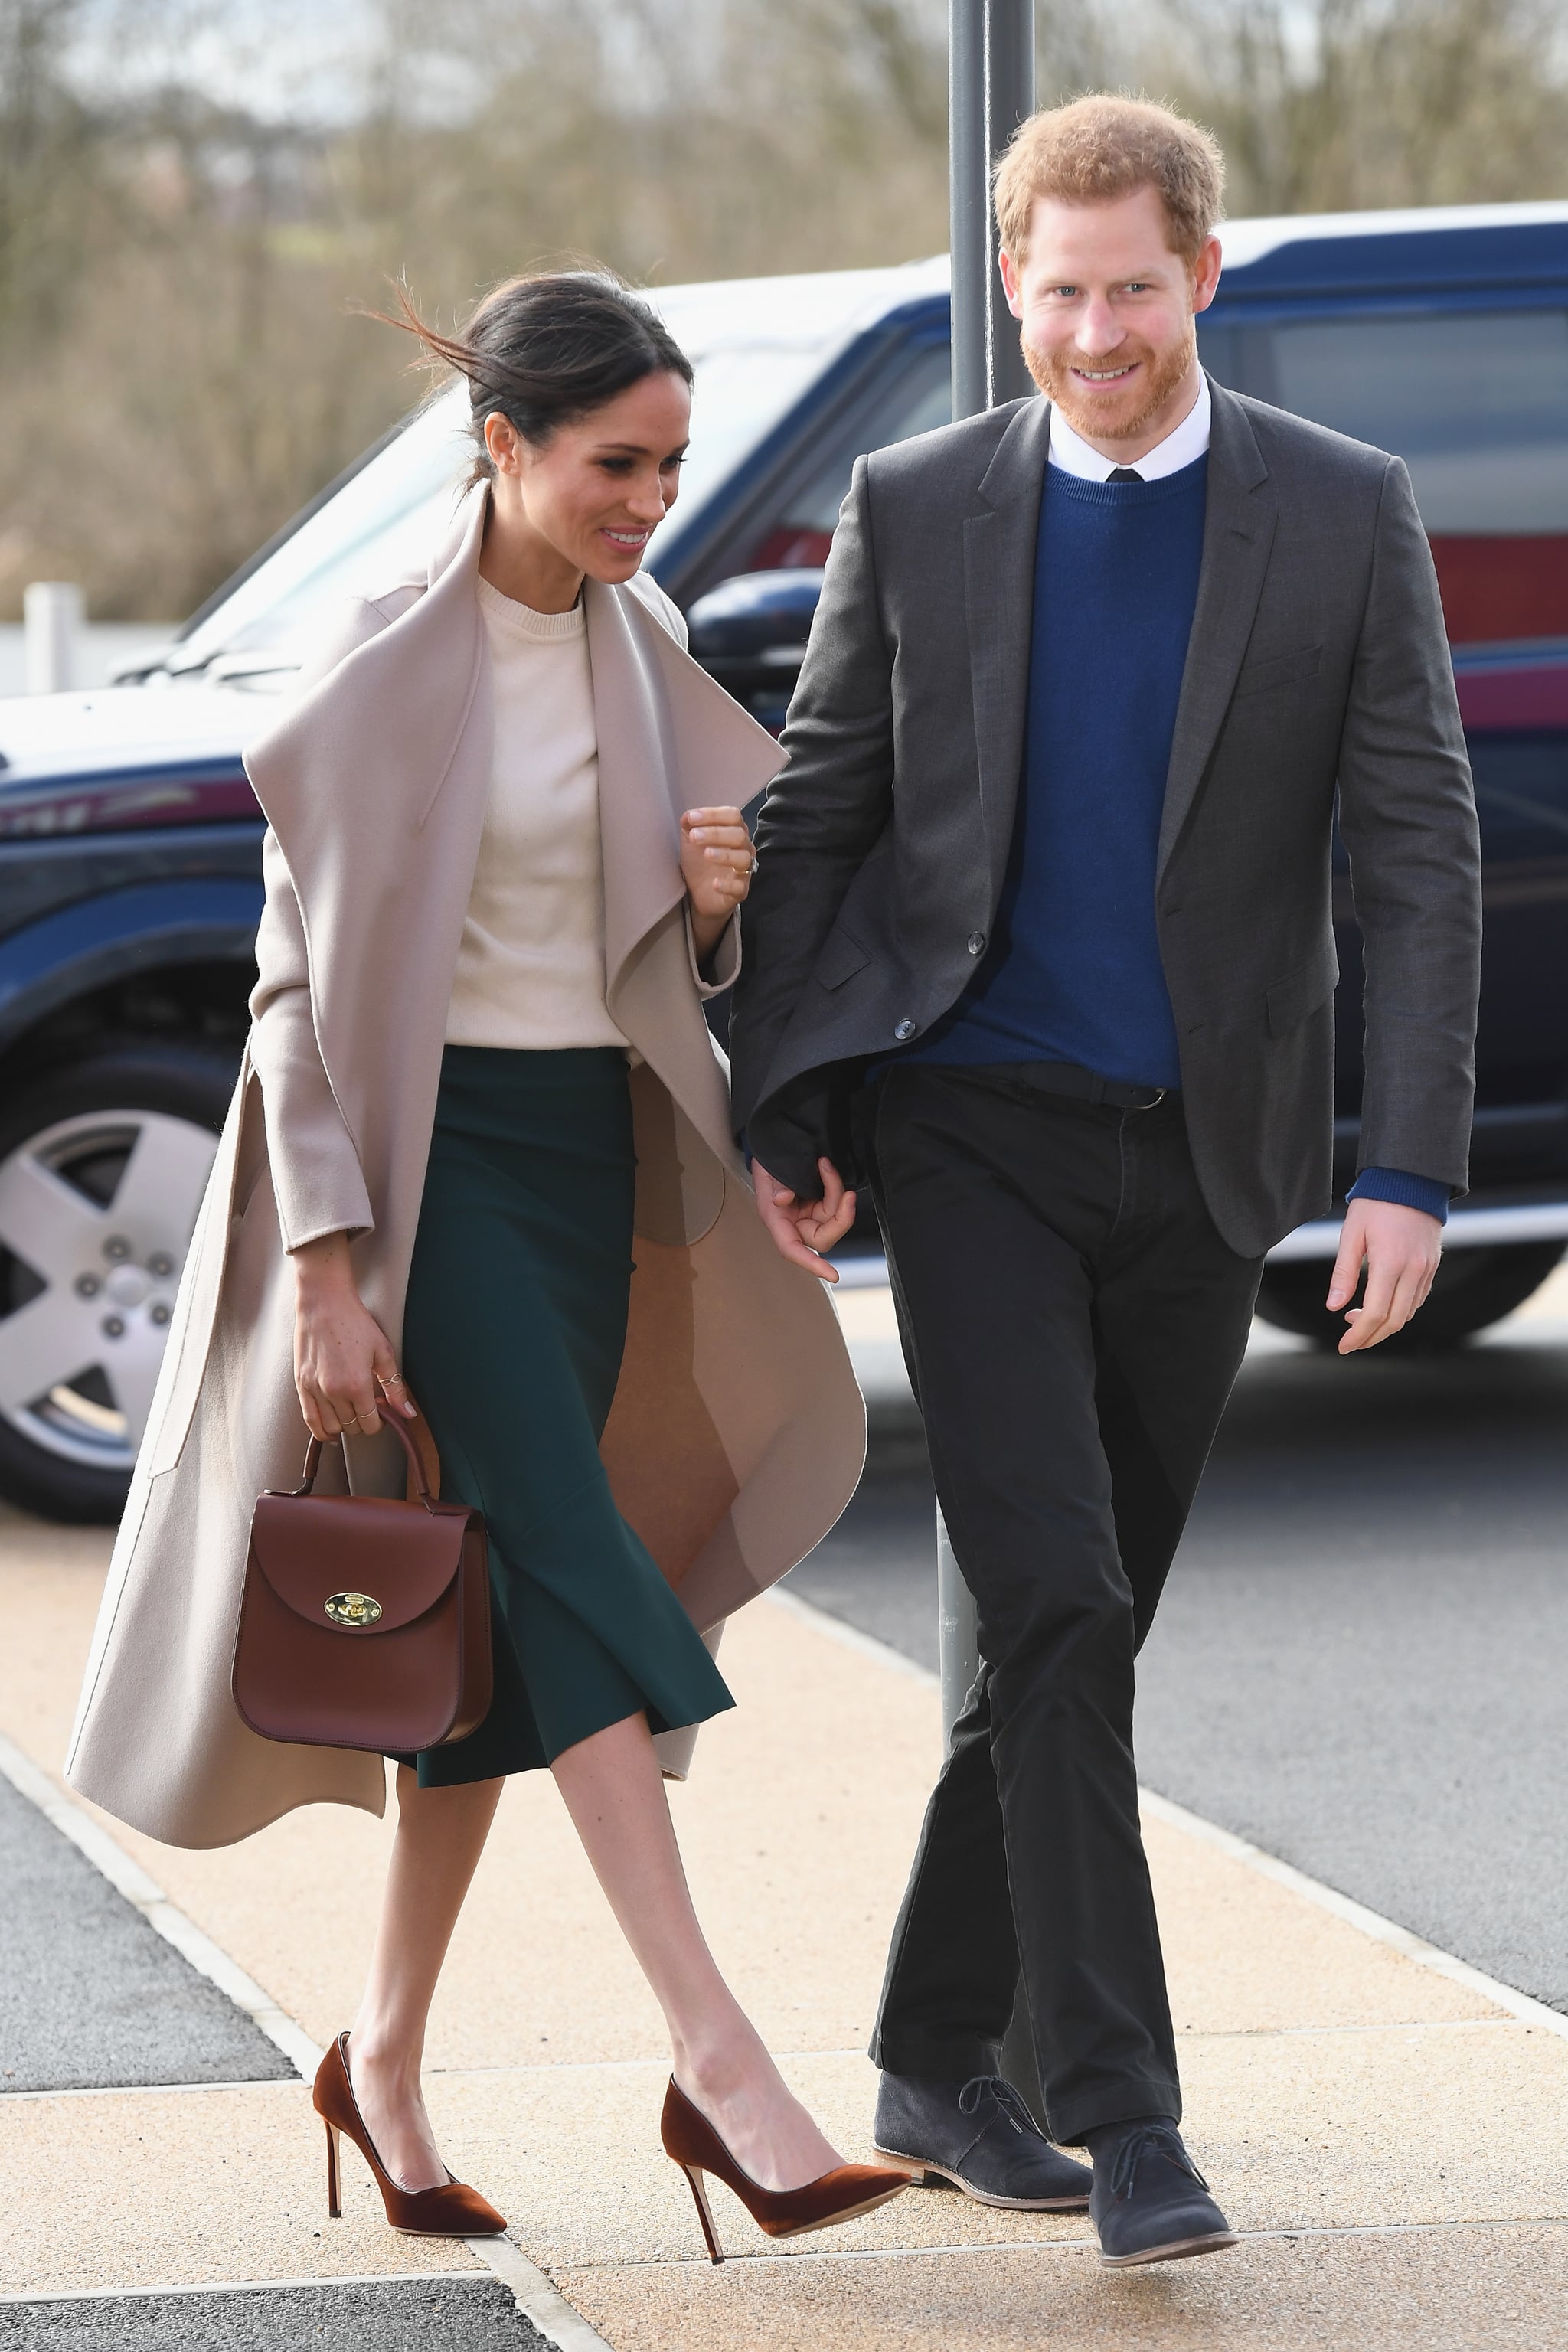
<point>1407,1192</point>
<point>724,958</point>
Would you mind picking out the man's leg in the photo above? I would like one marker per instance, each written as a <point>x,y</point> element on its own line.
<point>998,1202</point>
<point>952,1968</point>
<point>1174,1305</point>
<point>1027,1233</point>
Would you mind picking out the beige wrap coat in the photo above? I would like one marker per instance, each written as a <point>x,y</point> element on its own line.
<point>736,1433</point>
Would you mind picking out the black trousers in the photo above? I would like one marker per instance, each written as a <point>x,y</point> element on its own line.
<point>1072,1323</point>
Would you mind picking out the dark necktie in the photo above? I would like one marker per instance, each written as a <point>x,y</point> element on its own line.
<point>1124,474</point>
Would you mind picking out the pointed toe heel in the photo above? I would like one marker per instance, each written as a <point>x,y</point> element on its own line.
<point>451,2211</point>
<point>849,2191</point>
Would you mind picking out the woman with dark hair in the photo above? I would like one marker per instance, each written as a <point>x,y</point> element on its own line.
<point>503,859</point>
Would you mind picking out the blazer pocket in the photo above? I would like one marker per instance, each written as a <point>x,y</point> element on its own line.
<point>1279,670</point>
<point>1296,993</point>
<point>841,959</point>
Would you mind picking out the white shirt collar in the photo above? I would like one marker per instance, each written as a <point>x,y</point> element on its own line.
<point>1182,445</point>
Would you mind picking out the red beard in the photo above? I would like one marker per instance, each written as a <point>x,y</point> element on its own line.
<point>1106,420</point>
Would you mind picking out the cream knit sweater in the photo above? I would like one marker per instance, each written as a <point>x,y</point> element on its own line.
<point>530,968</point>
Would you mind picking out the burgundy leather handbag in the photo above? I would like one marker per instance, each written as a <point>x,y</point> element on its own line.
<point>365,1621</point>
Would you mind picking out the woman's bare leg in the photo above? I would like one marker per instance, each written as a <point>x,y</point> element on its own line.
<point>441,1834</point>
<point>615,1794</point>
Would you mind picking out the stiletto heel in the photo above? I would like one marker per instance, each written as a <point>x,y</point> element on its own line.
<point>452,2210</point>
<point>704,2211</point>
<point>690,2141</point>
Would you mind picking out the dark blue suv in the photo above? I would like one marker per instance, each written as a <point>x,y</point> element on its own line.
<point>130,845</point>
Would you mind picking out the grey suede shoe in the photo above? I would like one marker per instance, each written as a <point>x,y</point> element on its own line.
<point>980,2136</point>
<point>1150,2202</point>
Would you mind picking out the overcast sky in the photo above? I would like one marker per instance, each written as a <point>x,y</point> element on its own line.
<point>299,59</point>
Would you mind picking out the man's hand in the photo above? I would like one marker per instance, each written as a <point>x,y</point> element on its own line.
<point>1401,1248</point>
<point>801,1229</point>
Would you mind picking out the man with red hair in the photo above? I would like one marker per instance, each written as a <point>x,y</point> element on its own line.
<point>1040,950</point>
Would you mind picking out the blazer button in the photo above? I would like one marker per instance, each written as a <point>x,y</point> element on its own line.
<point>976,943</point>
<point>905,1029</point>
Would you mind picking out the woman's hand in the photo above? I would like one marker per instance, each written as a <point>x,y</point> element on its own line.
<point>341,1352</point>
<point>716,861</point>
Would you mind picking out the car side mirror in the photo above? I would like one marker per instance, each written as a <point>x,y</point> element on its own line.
<point>750,633</point>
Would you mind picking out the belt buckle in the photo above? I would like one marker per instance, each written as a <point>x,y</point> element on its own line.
<point>1158,1098</point>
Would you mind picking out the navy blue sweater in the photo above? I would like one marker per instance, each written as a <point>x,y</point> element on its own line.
<point>1073,973</point>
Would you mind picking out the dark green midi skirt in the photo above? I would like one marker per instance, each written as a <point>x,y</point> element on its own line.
<point>513,1333</point>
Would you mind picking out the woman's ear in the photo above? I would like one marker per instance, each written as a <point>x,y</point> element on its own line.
<point>504,442</point>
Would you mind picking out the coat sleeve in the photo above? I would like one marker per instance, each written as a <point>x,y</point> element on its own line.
<point>1407,815</point>
<point>724,961</point>
<point>316,1175</point>
<point>317,1180</point>
<point>821,818</point>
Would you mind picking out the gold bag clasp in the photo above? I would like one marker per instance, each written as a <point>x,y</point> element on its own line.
<point>357,1611</point>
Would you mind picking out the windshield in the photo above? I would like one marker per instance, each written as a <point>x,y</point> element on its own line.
<point>386,517</point>
<point>382,521</point>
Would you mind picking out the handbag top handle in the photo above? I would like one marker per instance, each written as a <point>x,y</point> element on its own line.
<point>395,1421</point>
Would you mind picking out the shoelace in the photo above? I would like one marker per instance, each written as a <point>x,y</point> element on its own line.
<point>1005,2096</point>
<point>1152,2141</point>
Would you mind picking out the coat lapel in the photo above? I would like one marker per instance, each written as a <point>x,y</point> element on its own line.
<point>404,743</point>
<point>670,739</point>
<point>1238,531</point>
<point>999,542</point>
<point>639,822</point>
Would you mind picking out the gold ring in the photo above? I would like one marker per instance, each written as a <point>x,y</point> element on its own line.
<point>392,1380</point>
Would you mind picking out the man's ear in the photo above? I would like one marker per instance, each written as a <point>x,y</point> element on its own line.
<point>1206,273</point>
<point>1010,283</point>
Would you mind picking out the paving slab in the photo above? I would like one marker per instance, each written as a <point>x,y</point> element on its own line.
<point>1405,2125</point>
<point>132,2189</point>
<point>1474,2290</point>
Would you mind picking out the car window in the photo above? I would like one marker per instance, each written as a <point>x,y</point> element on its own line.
<point>383,520</point>
<point>916,400</point>
<point>1477,404</point>
<point>740,393</point>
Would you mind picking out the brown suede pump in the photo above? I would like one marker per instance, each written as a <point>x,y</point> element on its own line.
<point>690,2141</point>
<point>452,2211</point>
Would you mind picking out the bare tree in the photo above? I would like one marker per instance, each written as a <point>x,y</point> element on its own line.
<point>1331,105</point>
<point>47,139</point>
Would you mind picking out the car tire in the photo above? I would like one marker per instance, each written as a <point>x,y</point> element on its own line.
<point>1473,1287</point>
<point>76,1374</point>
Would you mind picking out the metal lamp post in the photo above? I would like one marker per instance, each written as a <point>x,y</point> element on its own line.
<point>991,89</point>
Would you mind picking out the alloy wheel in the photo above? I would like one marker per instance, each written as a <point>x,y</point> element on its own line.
<point>96,1218</point>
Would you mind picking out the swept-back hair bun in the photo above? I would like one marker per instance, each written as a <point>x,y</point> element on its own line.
<point>547,351</point>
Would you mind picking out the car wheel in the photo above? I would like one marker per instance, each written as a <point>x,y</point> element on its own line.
<point>102,1169</point>
<point>1473,1287</point>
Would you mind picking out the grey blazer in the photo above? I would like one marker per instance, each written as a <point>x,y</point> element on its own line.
<point>1318,659</point>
